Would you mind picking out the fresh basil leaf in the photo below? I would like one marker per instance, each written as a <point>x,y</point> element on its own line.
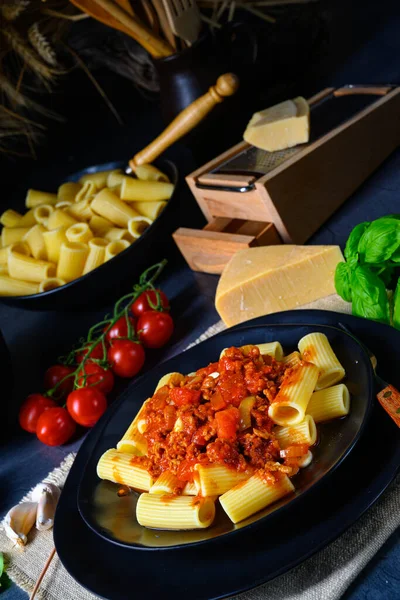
<point>342,281</point>
<point>5,582</point>
<point>1,563</point>
<point>396,306</point>
<point>384,272</point>
<point>369,297</point>
<point>380,240</point>
<point>351,249</point>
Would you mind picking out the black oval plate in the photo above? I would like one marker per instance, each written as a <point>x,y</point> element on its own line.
<point>111,277</point>
<point>234,564</point>
<point>114,518</point>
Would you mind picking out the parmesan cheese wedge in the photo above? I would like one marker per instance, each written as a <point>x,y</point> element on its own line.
<point>281,126</point>
<point>260,281</point>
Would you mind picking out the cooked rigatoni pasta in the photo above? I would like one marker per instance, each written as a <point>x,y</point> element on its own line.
<point>35,240</point>
<point>52,283</point>
<point>119,468</point>
<point>17,287</point>
<point>80,232</point>
<point>53,240</point>
<point>211,434</point>
<point>315,348</point>
<point>329,403</point>
<point>21,247</point>
<point>150,173</point>
<point>292,359</point>
<point>27,268</point>
<point>36,197</point>
<point>135,190</point>
<point>151,210</point>
<point>67,191</point>
<point>96,256</point>
<point>78,213</point>
<point>72,260</point>
<point>10,218</point>
<point>289,406</point>
<point>114,248</point>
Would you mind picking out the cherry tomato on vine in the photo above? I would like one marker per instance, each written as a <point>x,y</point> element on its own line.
<point>55,426</point>
<point>120,329</point>
<point>96,353</point>
<point>149,301</point>
<point>86,405</point>
<point>31,409</point>
<point>55,374</point>
<point>155,328</point>
<point>126,357</point>
<point>96,376</point>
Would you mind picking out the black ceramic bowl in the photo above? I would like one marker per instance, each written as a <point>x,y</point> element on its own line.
<point>113,518</point>
<point>111,278</point>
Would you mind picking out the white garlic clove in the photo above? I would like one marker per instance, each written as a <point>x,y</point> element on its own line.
<point>19,521</point>
<point>47,495</point>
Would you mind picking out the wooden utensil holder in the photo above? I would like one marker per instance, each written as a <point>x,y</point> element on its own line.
<point>293,199</point>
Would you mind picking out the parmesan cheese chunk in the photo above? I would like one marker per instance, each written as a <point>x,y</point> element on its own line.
<point>259,281</point>
<point>281,126</point>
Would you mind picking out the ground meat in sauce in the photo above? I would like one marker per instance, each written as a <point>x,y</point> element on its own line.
<point>237,375</point>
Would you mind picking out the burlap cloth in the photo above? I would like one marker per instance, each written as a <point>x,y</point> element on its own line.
<point>325,576</point>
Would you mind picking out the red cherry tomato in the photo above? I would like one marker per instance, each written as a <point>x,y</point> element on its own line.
<point>31,409</point>
<point>126,357</point>
<point>96,353</point>
<point>150,300</point>
<point>55,426</point>
<point>120,329</point>
<point>101,379</point>
<point>86,405</point>
<point>55,374</point>
<point>155,328</point>
<point>227,423</point>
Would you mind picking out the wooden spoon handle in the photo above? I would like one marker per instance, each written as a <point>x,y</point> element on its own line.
<point>191,116</point>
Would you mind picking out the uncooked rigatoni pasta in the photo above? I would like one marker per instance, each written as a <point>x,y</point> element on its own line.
<point>212,434</point>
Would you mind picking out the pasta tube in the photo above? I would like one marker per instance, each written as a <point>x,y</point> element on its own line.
<point>109,206</point>
<point>16,287</point>
<point>330,403</point>
<point>174,512</point>
<point>145,191</point>
<point>28,219</point>
<point>315,348</point>
<point>218,479</point>
<point>272,349</point>
<point>96,254</point>
<point>87,191</point>
<point>60,218</point>
<point>289,406</point>
<point>64,204</point>
<point>99,178</point>
<point>42,213</point>
<point>303,433</point>
<point>68,191</point>
<point>21,247</point>
<point>35,240</point>
<point>80,232</point>
<point>291,359</point>
<point>99,225</point>
<point>151,210</point>
<point>114,248</point>
<point>81,210</point>
<point>10,218</point>
<point>190,489</point>
<point>3,269</point>
<point>27,268</point>
<point>118,233</point>
<point>172,379</point>
<point>72,260</point>
<point>138,225</point>
<point>253,495</point>
<point>120,468</point>
<point>115,178</point>
<point>51,284</point>
<point>53,240</point>
<point>167,483</point>
<point>36,197</point>
<point>150,173</point>
<point>10,235</point>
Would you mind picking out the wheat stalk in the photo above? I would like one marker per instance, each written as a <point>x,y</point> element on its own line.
<point>12,10</point>
<point>41,45</point>
<point>17,43</point>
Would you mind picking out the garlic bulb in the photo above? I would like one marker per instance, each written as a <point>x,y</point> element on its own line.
<point>19,521</point>
<point>46,495</point>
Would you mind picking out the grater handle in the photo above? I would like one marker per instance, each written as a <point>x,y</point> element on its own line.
<point>376,90</point>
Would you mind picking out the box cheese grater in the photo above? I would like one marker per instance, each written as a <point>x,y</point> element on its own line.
<point>252,197</point>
